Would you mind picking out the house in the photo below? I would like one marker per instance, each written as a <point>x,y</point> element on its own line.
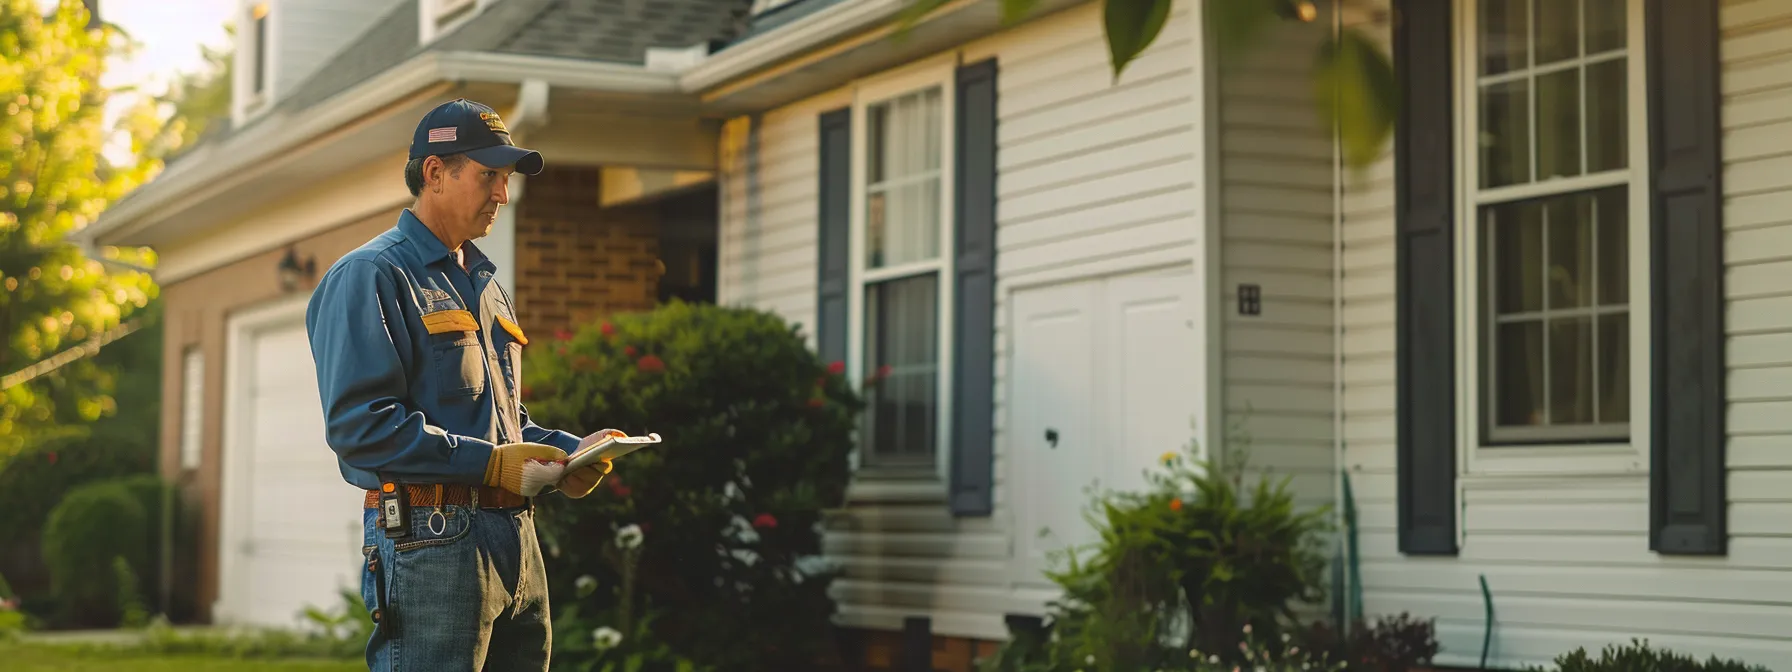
<point>1542,334</point>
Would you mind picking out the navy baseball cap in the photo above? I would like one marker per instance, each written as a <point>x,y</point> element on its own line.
<point>461,125</point>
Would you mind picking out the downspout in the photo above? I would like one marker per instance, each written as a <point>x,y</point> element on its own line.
<point>531,113</point>
<point>1340,488</point>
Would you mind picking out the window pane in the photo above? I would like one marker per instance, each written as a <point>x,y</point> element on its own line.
<point>1505,40</point>
<point>1505,134</point>
<point>902,411</point>
<point>1569,221</point>
<point>1558,124</point>
<point>1605,25</point>
<point>1612,210</point>
<point>1571,371</point>
<point>1558,29</point>
<point>1614,368</point>
<point>1608,121</point>
<point>902,223</point>
<point>902,194</point>
<point>1517,372</point>
<point>1516,264</point>
<point>877,134</point>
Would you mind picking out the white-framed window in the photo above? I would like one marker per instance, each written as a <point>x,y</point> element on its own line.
<point>192,405</point>
<point>258,50</point>
<point>439,17</point>
<point>1554,229</point>
<point>901,240</point>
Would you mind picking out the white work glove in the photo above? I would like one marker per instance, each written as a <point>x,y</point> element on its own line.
<point>525,468</point>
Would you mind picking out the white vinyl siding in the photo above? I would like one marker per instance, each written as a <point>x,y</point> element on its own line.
<point>1276,202</point>
<point>302,35</point>
<point>1566,556</point>
<point>1094,178</point>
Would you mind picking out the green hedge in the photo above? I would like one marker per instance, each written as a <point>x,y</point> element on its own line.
<point>101,544</point>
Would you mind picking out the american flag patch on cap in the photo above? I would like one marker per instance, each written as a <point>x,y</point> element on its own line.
<point>444,134</point>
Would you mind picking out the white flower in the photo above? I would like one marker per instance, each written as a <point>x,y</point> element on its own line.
<point>1090,659</point>
<point>1285,638</point>
<point>629,537</point>
<point>606,638</point>
<point>1247,628</point>
<point>585,583</point>
<point>1215,659</point>
<point>1194,653</point>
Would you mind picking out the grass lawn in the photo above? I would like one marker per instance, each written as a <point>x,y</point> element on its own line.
<point>47,658</point>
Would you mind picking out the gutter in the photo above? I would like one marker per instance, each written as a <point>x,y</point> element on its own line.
<point>264,145</point>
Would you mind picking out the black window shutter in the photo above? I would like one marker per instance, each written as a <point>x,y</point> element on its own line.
<point>835,222</point>
<point>1424,213</point>
<point>1686,474</point>
<point>973,316</point>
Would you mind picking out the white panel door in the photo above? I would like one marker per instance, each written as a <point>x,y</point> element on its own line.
<point>297,537</point>
<point>1148,386</point>
<point>1056,452</point>
<point>1103,383</point>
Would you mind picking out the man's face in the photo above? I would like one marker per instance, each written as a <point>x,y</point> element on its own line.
<point>470,194</point>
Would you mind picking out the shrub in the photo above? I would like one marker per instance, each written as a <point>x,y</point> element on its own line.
<point>1388,644</point>
<point>757,436</point>
<point>1182,573</point>
<point>1639,656</point>
<point>96,527</point>
<point>34,481</point>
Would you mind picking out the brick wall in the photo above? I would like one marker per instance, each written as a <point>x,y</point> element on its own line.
<point>576,263</point>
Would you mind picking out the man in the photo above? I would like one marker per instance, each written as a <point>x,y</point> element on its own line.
<point>418,359</point>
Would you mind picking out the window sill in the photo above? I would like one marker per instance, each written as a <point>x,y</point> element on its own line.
<point>891,485</point>
<point>1555,460</point>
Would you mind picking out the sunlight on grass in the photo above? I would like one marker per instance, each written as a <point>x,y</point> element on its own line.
<point>42,658</point>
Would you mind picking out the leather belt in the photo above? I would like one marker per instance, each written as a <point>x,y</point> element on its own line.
<point>422,494</point>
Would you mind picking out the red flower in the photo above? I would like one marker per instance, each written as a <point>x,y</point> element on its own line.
<point>608,329</point>
<point>651,364</point>
<point>817,402</point>
<point>51,456</point>
<point>629,350</point>
<point>621,490</point>
<point>1175,505</point>
<point>837,368</point>
<point>523,392</point>
<point>764,521</point>
<point>583,363</point>
<point>562,334</point>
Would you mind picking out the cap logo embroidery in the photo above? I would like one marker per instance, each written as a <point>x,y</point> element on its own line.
<point>493,122</point>
<point>444,134</point>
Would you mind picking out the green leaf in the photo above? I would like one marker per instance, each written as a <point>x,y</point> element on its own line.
<point>1356,93</point>
<point>1131,27</point>
<point>1015,10</point>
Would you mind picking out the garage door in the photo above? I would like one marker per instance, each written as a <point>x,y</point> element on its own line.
<point>1104,382</point>
<point>292,525</point>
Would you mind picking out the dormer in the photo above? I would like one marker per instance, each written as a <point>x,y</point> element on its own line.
<point>280,43</point>
<point>440,17</point>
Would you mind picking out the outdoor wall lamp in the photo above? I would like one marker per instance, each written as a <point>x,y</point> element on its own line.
<point>1302,10</point>
<point>291,269</point>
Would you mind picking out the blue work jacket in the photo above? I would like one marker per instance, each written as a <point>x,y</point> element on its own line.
<point>418,362</point>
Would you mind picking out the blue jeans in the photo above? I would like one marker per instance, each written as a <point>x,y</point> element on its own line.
<point>465,590</point>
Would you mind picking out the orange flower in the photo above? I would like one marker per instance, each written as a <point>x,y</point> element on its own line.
<point>1176,505</point>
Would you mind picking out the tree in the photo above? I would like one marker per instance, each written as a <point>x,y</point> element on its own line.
<point>1353,78</point>
<point>53,181</point>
